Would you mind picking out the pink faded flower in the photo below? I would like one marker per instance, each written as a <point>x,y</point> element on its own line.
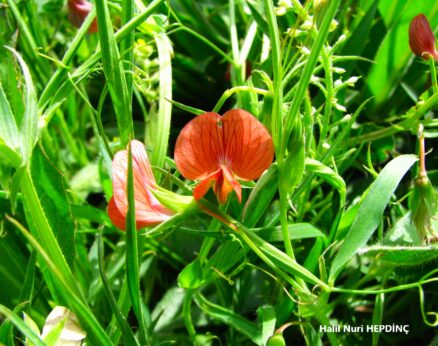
<point>77,12</point>
<point>148,210</point>
<point>421,38</point>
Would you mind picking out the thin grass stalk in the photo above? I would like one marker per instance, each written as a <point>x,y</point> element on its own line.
<point>132,255</point>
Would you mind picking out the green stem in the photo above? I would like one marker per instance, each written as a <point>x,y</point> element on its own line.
<point>188,298</point>
<point>229,92</point>
<point>284,206</point>
<point>385,290</point>
<point>132,255</point>
<point>433,74</point>
<point>415,114</point>
<point>326,61</point>
<point>277,116</point>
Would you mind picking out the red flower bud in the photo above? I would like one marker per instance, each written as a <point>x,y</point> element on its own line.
<point>421,38</point>
<point>77,12</point>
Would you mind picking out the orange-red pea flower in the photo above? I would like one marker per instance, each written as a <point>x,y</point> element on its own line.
<point>421,38</point>
<point>148,210</point>
<point>77,12</point>
<point>220,150</point>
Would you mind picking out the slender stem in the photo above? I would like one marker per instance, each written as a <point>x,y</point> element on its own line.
<point>284,206</point>
<point>422,159</point>
<point>229,92</point>
<point>326,61</point>
<point>188,298</point>
<point>433,74</point>
<point>415,114</point>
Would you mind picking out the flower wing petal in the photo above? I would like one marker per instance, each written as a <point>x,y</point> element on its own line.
<point>148,210</point>
<point>117,218</point>
<point>248,145</point>
<point>199,146</point>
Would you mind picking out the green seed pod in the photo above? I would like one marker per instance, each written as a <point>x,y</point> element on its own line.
<point>276,340</point>
<point>423,204</point>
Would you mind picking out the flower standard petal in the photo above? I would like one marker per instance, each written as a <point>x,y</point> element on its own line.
<point>199,146</point>
<point>248,145</point>
<point>219,150</point>
<point>148,210</point>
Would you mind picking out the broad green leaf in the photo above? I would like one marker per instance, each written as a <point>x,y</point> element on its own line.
<point>371,210</point>
<point>51,189</point>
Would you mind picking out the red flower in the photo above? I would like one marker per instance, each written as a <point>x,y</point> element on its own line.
<point>77,12</point>
<point>421,38</point>
<point>218,150</point>
<point>148,210</point>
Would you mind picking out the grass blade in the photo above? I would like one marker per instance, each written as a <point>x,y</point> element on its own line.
<point>114,73</point>
<point>23,327</point>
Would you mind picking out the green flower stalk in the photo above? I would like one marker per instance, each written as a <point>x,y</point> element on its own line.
<point>423,198</point>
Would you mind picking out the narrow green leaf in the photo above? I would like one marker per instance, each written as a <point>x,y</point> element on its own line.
<point>401,255</point>
<point>8,129</point>
<point>158,130</point>
<point>28,332</point>
<point>260,197</point>
<point>296,231</point>
<point>371,210</point>
<point>378,315</point>
<point>230,318</point>
<point>127,333</point>
<point>267,318</point>
<point>29,123</point>
<point>328,175</point>
<point>114,73</point>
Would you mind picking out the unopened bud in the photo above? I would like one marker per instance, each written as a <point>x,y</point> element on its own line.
<point>77,12</point>
<point>421,38</point>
